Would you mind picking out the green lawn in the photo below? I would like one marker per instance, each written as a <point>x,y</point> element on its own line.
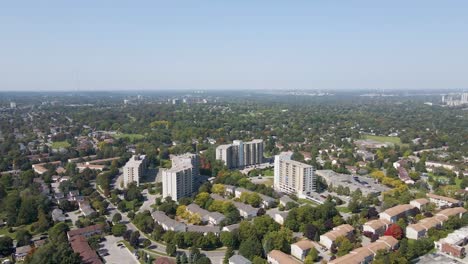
<point>307,202</point>
<point>60,144</point>
<point>343,209</point>
<point>394,140</point>
<point>131,137</point>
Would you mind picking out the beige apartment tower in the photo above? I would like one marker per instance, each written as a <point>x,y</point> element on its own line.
<point>240,154</point>
<point>293,177</point>
<point>181,179</point>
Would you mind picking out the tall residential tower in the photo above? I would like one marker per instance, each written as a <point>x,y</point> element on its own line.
<point>134,169</point>
<point>240,154</point>
<point>181,179</point>
<point>292,176</point>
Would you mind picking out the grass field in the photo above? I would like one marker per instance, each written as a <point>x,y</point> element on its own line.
<point>394,140</point>
<point>131,137</point>
<point>307,202</point>
<point>60,144</point>
<point>343,209</point>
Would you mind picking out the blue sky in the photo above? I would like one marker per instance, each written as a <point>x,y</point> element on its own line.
<point>135,45</point>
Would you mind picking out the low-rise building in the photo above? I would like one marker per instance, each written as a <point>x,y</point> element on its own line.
<point>86,231</point>
<point>85,208</point>
<point>329,238</point>
<point>204,229</point>
<point>57,215</point>
<point>377,226</point>
<point>418,230</point>
<point>442,201</point>
<point>22,252</point>
<point>420,203</point>
<point>239,259</point>
<point>168,223</point>
<point>267,201</point>
<point>229,190</point>
<point>80,245</point>
<point>278,257</point>
<point>397,212</point>
<point>245,210</point>
<point>284,200</point>
<point>301,248</point>
<point>454,244</point>
<point>215,218</point>
<point>366,254</point>
<point>404,176</point>
<point>231,228</point>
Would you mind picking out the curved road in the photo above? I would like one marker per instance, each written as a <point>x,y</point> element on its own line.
<point>216,256</point>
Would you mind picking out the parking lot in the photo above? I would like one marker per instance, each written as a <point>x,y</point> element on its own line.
<point>116,254</point>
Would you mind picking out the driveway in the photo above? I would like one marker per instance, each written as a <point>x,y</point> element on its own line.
<point>117,254</point>
<point>149,200</point>
<point>73,216</point>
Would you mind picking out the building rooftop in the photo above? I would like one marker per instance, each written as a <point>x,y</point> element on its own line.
<point>399,209</point>
<point>443,198</point>
<point>245,207</point>
<point>451,211</point>
<point>282,258</point>
<point>163,219</point>
<point>378,223</point>
<point>203,229</point>
<point>239,259</point>
<point>85,230</point>
<point>339,231</point>
<point>304,244</point>
<point>23,250</point>
<point>80,245</point>
<point>421,201</point>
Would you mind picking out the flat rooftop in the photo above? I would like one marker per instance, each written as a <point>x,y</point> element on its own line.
<point>354,182</point>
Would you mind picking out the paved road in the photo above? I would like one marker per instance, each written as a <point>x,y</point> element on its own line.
<point>215,256</point>
<point>150,200</point>
<point>117,254</point>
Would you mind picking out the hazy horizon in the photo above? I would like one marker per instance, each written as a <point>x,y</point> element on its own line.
<point>262,45</point>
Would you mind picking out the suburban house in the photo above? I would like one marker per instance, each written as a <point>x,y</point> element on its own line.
<point>267,201</point>
<point>284,200</point>
<point>57,215</point>
<point>245,210</point>
<point>328,239</point>
<point>404,176</point>
<point>80,245</point>
<point>442,201</point>
<point>454,244</point>
<point>204,229</point>
<point>397,212</point>
<point>86,231</point>
<point>85,208</point>
<point>418,230</point>
<point>378,226</point>
<point>22,252</point>
<point>239,259</point>
<point>229,190</point>
<point>278,257</point>
<point>420,203</point>
<point>301,248</point>
<point>366,254</point>
<point>213,218</point>
<point>168,223</point>
<point>231,228</point>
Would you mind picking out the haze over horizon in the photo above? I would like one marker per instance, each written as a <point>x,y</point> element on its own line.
<point>158,45</point>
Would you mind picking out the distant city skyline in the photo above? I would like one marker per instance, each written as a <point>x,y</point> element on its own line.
<point>208,45</point>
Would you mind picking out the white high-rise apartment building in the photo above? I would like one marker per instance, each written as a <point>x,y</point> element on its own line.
<point>293,177</point>
<point>240,154</point>
<point>134,169</point>
<point>181,179</point>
